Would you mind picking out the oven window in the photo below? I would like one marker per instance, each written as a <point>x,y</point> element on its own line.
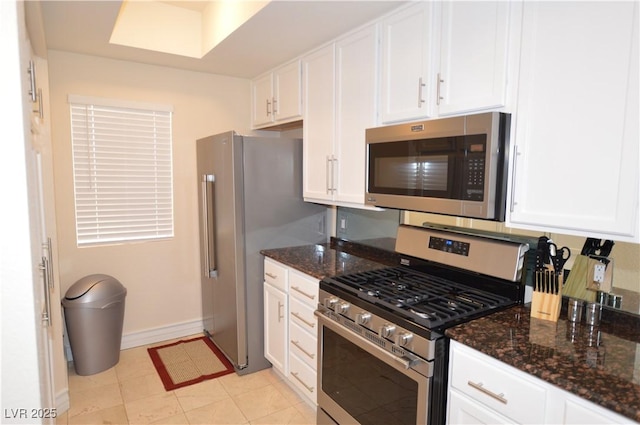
<point>371,391</point>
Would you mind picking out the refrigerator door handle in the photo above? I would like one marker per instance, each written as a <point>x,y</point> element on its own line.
<point>208,224</point>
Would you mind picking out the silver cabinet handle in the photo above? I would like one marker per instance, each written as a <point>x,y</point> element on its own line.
<point>334,163</point>
<point>209,224</point>
<point>49,249</point>
<point>268,107</point>
<point>420,98</point>
<point>516,154</point>
<point>46,314</point>
<point>295,375</point>
<point>40,111</point>
<point>280,315</point>
<point>298,290</point>
<point>328,169</point>
<point>331,170</point>
<point>271,275</point>
<point>438,97</point>
<point>479,387</point>
<point>306,322</point>
<point>297,344</point>
<point>32,81</point>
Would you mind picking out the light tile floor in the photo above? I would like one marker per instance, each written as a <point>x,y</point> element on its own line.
<point>132,393</point>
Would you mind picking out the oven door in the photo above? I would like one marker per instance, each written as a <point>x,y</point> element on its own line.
<point>359,382</point>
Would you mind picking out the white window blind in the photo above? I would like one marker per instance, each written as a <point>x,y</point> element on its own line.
<point>122,171</point>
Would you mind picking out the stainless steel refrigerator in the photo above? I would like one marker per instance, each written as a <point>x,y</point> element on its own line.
<point>250,199</point>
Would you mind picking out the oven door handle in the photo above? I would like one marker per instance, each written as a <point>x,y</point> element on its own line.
<point>407,362</point>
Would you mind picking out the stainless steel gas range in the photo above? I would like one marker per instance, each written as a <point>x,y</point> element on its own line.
<point>383,357</point>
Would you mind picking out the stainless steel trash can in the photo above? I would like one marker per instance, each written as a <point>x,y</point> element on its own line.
<point>94,313</point>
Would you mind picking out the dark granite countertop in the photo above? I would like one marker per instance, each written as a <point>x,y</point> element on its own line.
<point>332,259</point>
<point>599,364</point>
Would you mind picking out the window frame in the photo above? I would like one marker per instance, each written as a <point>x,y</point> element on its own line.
<point>122,153</point>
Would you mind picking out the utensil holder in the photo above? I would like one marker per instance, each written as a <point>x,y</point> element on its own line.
<point>546,305</point>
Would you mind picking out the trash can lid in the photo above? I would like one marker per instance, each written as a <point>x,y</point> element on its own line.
<point>93,288</point>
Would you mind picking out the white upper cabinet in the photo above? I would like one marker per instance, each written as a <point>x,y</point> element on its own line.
<point>406,69</point>
<point>576,156</point>
<point>444,59</point>
<point>473,56</point>
<point>356,100</point>
<point>319,124</point>
<point>276,97</point>
<point>340,93</point>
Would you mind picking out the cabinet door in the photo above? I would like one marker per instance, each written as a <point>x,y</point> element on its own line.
<point>287,92</point>
<point>582,412</point>
<point>577,160</point>
<point>406,60</point>
<point>275,327</point>
<point>319,124</point>
<point>356,100</point>
<point>261,98</point>
<point>462,410</point>
<point>473,56</point>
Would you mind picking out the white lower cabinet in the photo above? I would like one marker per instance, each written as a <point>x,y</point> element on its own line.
<point>464,410</point>
<point>483,390</point>
<point>291,328</point>
<point>275,315</point>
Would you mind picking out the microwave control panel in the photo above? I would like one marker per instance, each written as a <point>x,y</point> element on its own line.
<point>474,167</point>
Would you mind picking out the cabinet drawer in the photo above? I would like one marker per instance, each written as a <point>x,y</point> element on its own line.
<point>302,315</point>
<point>275,274</point>
<point>303,345</point>
<point>303,377</point>
<point>497,386</point>
<point>304,288</point>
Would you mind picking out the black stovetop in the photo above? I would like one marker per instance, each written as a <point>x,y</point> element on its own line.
<point>431,301</point>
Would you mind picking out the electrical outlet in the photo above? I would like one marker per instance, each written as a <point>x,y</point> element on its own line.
<point>598,272</point>
<point>343,224</point>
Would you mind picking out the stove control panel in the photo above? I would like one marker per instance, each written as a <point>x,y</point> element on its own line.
<point>449,245</point>
<point>332,306</point>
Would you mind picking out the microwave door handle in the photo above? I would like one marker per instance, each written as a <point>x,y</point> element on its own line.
<point>208,225</point>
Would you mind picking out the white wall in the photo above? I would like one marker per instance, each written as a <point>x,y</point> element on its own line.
<point>162,278</point>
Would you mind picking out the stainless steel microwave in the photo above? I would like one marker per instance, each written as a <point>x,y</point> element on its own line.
<point>454,166</point>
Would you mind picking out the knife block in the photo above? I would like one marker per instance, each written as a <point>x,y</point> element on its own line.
<point>546,306</point>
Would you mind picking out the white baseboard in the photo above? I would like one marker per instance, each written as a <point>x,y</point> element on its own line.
<point>62,401</point>
<point>151,336</point>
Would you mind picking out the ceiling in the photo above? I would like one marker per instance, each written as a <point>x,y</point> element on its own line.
<point>279,32</point>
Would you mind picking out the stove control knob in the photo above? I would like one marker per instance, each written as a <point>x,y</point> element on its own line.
<point>363,318</point>
<point>404,338</point>
<point>341,308</point>
<point>330,302</point>
<point>386,331</point>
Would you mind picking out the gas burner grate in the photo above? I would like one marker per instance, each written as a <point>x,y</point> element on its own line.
<point>426,299</point>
